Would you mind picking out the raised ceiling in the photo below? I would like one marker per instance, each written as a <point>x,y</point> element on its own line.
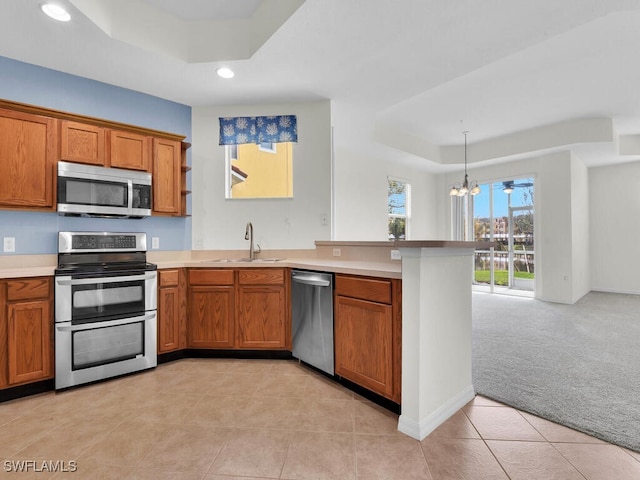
<point>521,76</point>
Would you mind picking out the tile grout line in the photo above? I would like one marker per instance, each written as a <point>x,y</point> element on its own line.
<point>552,445</point>
<point>488,447</point>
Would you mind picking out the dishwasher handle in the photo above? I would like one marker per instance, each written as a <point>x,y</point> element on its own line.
<point>315,279</point>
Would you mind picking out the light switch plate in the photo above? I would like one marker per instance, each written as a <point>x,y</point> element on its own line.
<point>337,252</point>
<point>9,244</point>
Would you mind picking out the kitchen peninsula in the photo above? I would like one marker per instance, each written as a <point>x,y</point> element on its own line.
<point>435,308</point>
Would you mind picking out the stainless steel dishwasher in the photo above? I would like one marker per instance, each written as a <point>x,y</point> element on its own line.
<point>312,318</point>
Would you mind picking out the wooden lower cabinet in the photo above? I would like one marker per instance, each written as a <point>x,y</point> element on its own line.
<point>211,317</point>
<point>172,310</point>
<point>367,333</point>
<point>211,320</point>
<point>238,309</point>
<point>262,317</point>
<point>26,331</point>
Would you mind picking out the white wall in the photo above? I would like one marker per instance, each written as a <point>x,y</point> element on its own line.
<point>219,223</point>
<point>614,227</point>
<point>580,228</point>
<point>361,198</point>
<point>553,220</point>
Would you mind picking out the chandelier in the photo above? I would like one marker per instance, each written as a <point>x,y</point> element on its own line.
<point>460,190</point>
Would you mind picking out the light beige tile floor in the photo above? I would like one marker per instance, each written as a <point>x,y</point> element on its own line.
<point>216,419</point>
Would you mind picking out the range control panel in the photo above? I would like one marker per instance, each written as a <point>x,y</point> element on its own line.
<point>69,242</point>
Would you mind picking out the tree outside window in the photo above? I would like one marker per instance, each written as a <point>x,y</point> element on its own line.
<point>399,203</point>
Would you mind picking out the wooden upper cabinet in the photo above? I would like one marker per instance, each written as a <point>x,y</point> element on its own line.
<point>82,143</point>
<point>28,145</point>
<point>166,177</point>
<point>129,150</point>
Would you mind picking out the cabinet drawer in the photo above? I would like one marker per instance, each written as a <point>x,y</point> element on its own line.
<point>28,288</point>
<point>168,278</point>
<point>364,288</point>
<point>261,276</point>
<point>202,276</point>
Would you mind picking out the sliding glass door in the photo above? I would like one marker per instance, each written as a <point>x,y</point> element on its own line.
<point>504,213</point>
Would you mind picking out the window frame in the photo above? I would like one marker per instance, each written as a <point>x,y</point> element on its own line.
<point>407,215</point>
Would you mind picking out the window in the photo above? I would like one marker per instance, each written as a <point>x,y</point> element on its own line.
<point>267,147</point>
<point>399,206</point>
<point>262,170</point>
<point>259,155</point>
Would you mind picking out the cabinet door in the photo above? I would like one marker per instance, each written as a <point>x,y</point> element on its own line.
<point>128,150</point>
<point>29,341</point>
<point>27,157</point>
<point>262,317</point>
<point>172,310</point>
<point>82,143</point>
<point>363,343</point>
<point>211,317</point>
<point>168,319</point>
<point>166,177</point>
<point>4,367</point>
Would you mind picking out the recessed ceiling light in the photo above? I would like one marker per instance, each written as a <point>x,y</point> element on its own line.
<point>225,72</point>
<point>56,12</point>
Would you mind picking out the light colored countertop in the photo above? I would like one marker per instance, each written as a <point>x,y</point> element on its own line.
<point>373,269</point>
<point>355,257</point>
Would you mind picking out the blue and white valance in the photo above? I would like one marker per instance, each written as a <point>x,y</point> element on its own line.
<point>274,129</point>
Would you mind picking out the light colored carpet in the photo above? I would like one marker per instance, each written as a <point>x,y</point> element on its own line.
<point>577,365</point>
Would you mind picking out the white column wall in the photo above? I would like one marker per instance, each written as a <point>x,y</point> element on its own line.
<point>580,228</point>
<point>436,336</point>
<point>614,227</point>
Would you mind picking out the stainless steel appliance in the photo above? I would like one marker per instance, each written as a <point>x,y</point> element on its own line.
<point>105,307</point>
<point>312,318</point>
<point>90,190</point>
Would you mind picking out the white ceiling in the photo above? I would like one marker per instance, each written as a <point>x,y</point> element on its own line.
<point>418,71</point>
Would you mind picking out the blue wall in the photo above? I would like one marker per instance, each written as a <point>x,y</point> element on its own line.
<point>36,232</point>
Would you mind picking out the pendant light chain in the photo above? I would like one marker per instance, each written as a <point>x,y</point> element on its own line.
<point>462,190</point>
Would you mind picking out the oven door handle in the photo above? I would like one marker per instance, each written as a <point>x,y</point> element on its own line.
<point>85,281</point>
<point>68,327</point>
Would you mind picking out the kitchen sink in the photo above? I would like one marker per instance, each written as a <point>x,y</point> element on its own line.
<point>242,260</point>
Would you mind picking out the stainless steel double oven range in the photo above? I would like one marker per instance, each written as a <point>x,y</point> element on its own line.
<point>105,307</point>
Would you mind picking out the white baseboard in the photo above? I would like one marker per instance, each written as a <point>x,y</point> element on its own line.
<point>419,430</point>
<point>609,290</point>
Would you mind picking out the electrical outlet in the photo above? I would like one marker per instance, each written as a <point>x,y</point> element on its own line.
<point>324,219</point>
<point>337,252</point>
<point>155,242</point>
<point>9,244</point>
<point>395,255</point>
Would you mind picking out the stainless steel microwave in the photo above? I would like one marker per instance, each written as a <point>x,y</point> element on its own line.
<point>88,190</point>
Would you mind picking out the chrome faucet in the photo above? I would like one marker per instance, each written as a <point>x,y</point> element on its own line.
<point>248,235</point>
